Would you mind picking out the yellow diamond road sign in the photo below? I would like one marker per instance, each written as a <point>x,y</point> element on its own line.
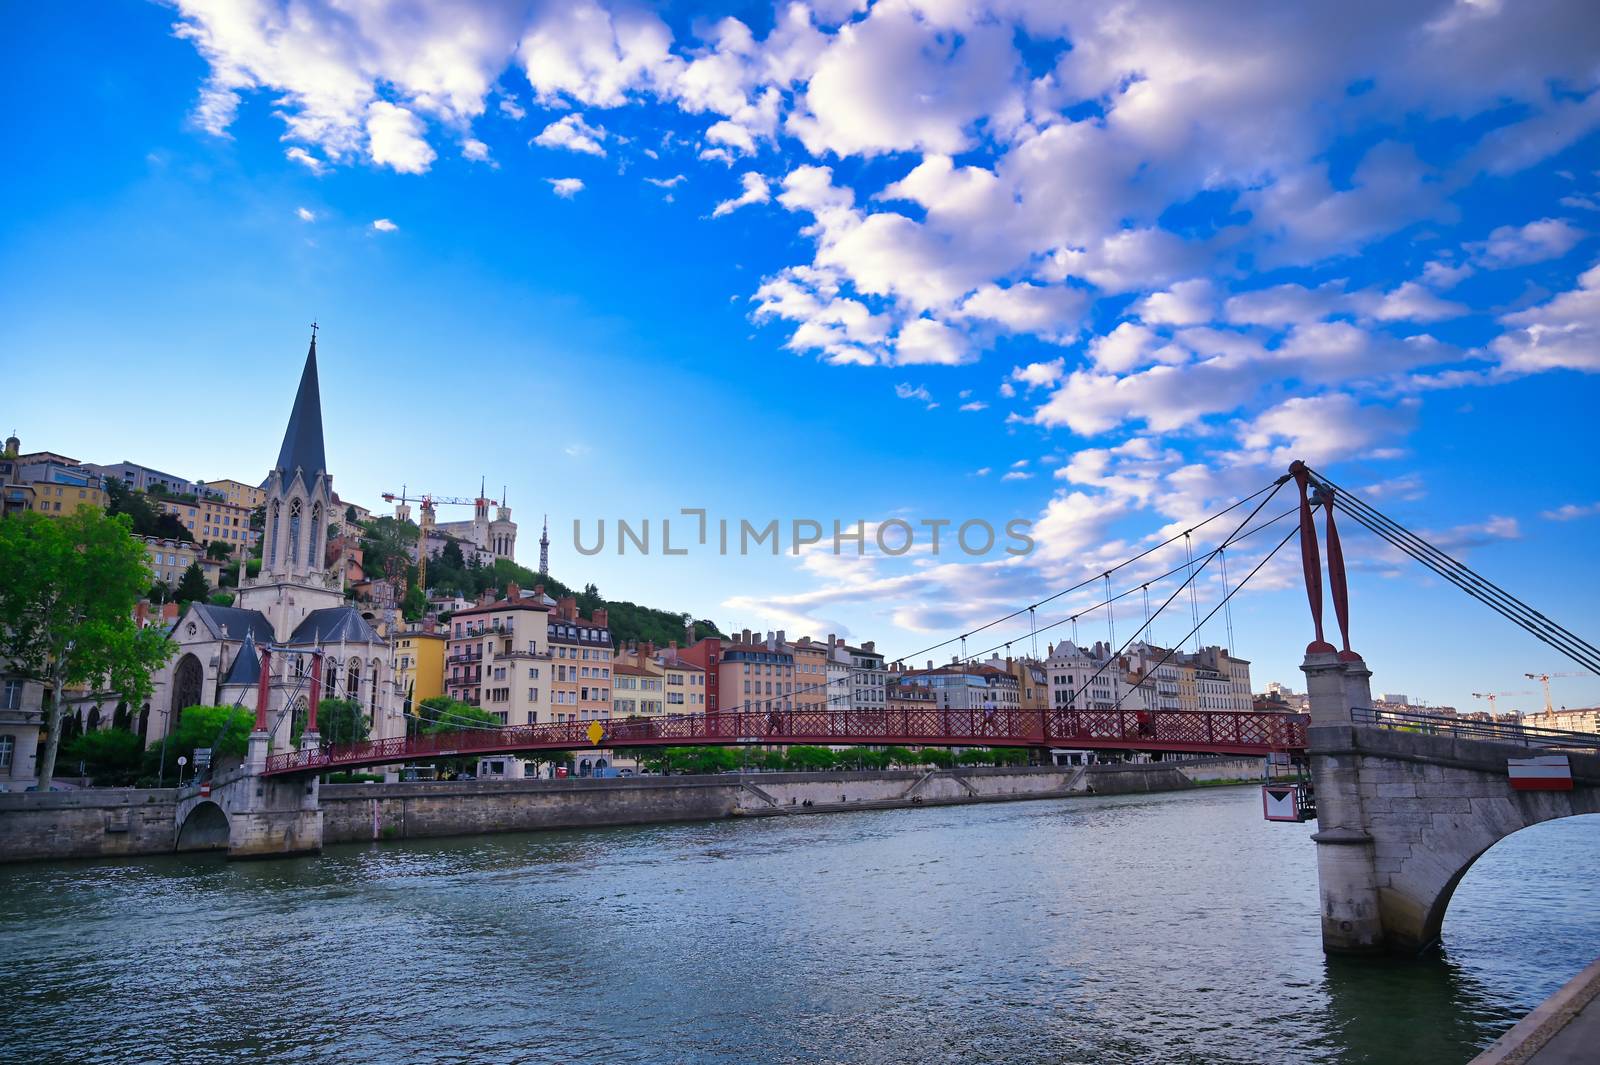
<point>597,732</point>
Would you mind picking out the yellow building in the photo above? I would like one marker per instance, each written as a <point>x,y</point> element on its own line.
<point>59,500</point>
<point>169,558</point>
<point>210,519</point>
<point>419,663</point>
<point>238,493</point>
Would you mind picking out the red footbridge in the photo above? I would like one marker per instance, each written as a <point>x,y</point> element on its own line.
<point>1178,731</point>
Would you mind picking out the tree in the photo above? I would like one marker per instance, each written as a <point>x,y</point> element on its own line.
<point>219,549</point>
<point>111,756</point>
<point>67,591</point>
<point>338,721</point>
<point>222,599</point>
<point>192,587</point>
<point>444,714</point>
<point>414,604</point>
<point>223,729</point>
<point>385,538</point>
<point>589,599</point>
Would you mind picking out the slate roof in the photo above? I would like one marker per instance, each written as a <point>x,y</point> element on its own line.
<point>233,623</point>
<point>302,440</point>
<point>246,664</point>
<point>332,624</point>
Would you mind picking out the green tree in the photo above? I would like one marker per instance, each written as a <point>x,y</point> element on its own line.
<point>338,721</point>
<point>937,757</point>
<point>192,587</point>
<point>444,714</point>
<point>219,549</point>
<point>67,590</point>
<point>809,759</point>
<point>222,599</point>
<point>589,599</point>
<point>387,538</point>
<point>111,757</point>
<point>224,729</point>
<point>414,604</point>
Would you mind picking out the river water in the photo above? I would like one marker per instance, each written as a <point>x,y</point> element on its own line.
<point>1166,928</point>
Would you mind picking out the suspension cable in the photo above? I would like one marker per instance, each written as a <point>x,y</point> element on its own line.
<point>1474,584</point>
<point>1256,569</point>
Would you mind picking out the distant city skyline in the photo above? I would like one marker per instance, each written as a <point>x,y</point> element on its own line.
<point>627,261</point>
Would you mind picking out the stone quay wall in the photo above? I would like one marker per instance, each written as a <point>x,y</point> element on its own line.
<point>122,822</point>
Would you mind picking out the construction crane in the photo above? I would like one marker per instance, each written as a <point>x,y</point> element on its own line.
<point>426,502</point>
<point>1492,696</point>
<point>1544,678</point>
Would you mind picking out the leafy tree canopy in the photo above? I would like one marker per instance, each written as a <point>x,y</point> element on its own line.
<point>67,590</point>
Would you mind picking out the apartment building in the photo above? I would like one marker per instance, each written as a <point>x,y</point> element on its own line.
<point>756,674</point>
<point>962,686</point>
<point>419,653</point>
<point>580,684</point>
<point>810,672</point>
<point>209,519</point>
<point>237,492</point>
<point>500,657</point>
<point>867,676</point>
<point>637,690</point>
<point>169,558</point>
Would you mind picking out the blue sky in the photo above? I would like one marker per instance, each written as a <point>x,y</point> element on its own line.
<point>1103,269</point>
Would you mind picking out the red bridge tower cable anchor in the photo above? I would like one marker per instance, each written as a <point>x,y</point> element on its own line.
<point>1310,559</point>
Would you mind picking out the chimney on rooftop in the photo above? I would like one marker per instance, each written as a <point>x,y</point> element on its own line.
<point>781,640</point>
<point>513,593</point>
<point>869,646</point>
<point>601,617</point>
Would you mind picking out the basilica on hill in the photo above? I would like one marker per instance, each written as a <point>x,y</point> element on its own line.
<point>294,606</point>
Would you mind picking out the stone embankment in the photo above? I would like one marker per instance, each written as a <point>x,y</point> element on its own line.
<point>125,822</point>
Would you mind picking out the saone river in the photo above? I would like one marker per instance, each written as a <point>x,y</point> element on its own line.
<point>1167,928</point>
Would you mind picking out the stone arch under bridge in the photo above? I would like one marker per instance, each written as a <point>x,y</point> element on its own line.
<point>1403,813</point>
<point>205,828</point>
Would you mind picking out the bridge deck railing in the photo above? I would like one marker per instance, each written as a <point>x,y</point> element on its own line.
<point>1193,731</point>
<point>1470,729</point>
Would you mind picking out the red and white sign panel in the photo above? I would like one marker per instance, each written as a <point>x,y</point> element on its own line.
<point>1279,802</point>
<point>1551,772</point>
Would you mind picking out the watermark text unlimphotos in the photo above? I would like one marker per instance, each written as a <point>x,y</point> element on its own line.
<point>693,531</point>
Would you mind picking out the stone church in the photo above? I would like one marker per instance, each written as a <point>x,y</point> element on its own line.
<point>295,606</point>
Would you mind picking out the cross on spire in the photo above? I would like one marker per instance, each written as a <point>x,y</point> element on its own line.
<point>313,331</point>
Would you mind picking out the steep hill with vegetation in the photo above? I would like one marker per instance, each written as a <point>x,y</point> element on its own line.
<point>451,573</point>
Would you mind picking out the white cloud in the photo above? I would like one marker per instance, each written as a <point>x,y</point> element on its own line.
<point>1563,333</point>
<point>926,341</point>
<point>305,214</point>
<point>1572,511</point>
<point>383,225</point>
<point>755,191</point>
<point>666,183</point>
<point>1413,303</point>
<point>474,149</point>
<point>1053,312</point>
<point>1039,374</point>
<point>566,187</point>
<point>975,405</point>
<point>1548,238</point>
<point>572,134</point>
<point>1322,429</point>
<point>1186,303</point>
<point>395,139</point>
<point>919,393</point>
<point>299,155</point>
<point>1017,475</point>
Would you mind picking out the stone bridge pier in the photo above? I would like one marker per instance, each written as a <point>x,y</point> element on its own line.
<point>253,816</point>
<point>1403,815</point>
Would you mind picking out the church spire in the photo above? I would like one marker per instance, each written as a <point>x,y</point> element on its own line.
<point>302,440</point>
